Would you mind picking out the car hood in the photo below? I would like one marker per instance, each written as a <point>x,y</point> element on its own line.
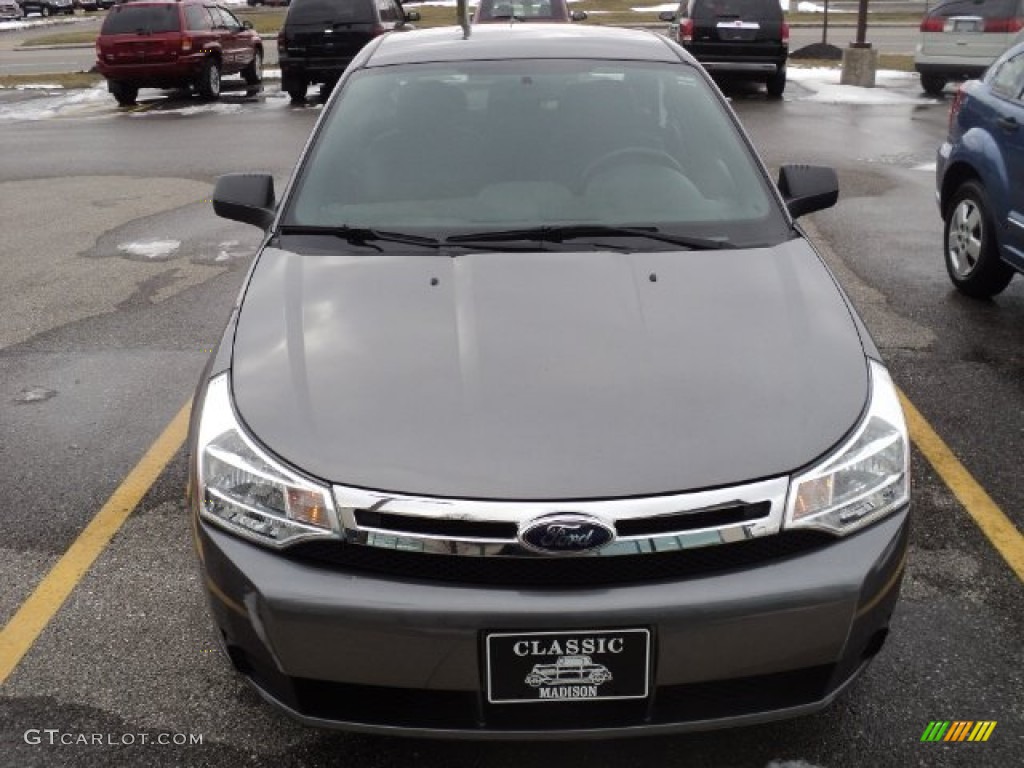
<point>548,375</point>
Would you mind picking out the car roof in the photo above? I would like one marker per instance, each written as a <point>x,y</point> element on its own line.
<point>522,41</point>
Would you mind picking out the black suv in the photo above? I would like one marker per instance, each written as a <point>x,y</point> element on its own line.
<point>320,37</point>
<point>746,39</point>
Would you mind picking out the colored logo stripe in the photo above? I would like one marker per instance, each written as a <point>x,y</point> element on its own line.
<point>958,730</point>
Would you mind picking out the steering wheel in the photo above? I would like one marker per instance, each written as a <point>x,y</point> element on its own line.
<point>628,156</point>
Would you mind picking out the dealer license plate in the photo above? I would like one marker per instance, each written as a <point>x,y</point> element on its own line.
<point>587,665</point>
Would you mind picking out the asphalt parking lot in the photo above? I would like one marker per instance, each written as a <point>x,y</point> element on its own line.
<point>118,279</point>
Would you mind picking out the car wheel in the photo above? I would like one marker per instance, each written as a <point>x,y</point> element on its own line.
<point>933,85</point>
<point>297,90</point>
<point>253,74</point>
<point>208,84</point>
<point>776,84</point>
<point>124,93</point>
<point>972,255</point>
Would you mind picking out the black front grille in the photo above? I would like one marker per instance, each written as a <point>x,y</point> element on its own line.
<point>559,572</point>
<point>679,522</point>
<point>694,521</point>
<point>434,526</point>
<point>467,710</point>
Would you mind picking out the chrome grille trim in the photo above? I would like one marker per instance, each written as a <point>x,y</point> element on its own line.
<point>422,509</point>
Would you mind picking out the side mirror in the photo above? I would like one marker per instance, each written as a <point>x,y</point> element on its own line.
<point>579,16</point>
<point>808,188</point>
<point>246,24</point>
<point>245,197</point>
<point>667,16</point>
<point>412,15</point>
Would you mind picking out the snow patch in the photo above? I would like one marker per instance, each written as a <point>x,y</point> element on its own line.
<point>154,250</point>
<point>823,82</point>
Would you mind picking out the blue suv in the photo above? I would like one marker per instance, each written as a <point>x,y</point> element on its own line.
<point>980,179</point>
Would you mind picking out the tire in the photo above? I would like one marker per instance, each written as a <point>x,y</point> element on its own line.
<point>933,85</point>
<point>776,84</point>
<point>253,74</point>
<point>208,84</point>
<point>124,93</point>
<point>969,244</point>
<point>297,90</point>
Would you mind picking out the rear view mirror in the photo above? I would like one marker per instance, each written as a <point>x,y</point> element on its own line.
<point>245,197</point>
<point>808,188</point>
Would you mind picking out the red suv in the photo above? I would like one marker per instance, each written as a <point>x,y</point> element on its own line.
<point>175,44</point>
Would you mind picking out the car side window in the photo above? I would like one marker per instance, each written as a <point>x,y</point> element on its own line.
<point>197,18</point>
<point>1008,80</point>
<point>230,19</point>
<point>387,10</point>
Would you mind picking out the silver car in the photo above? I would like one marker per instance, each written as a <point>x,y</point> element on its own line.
<point>10,9</point>
<point>961,38</point>
<point>534,364</point>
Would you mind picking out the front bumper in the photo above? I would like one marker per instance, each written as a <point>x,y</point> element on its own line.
<point>364,652</point>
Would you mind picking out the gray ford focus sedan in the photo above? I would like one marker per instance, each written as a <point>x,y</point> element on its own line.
<point>538,416</point>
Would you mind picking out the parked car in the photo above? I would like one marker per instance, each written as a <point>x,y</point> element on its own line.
<point>9,9</point>
<point>320,37</point>
<point>961,38</point>
<point>175,44</point>
<point>490,11</point>
<point>95,5</point>
<point>47,8</point>
<point>980,179</point>
<point>742,39</point>
<point>533,362</point>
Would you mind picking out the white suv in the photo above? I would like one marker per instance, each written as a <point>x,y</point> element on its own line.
<point>961,38</point>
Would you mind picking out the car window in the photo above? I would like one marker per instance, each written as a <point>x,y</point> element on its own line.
<point>1008,78</point>
<point>740,9</point>
<point>320,11</point>
<point>522,9</point>
<point>229,18</point>
<point>454,148</point>
<point>144,19</point>
<point>197,18</point>
<point>986,9</point>
<point>387,10</point>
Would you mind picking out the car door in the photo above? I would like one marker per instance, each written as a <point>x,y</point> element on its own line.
<point>226,28</point>
<point>1008,85</point>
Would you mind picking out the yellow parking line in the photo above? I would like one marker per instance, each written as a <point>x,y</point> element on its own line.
<point>994,523</point>
<point>21,632</point>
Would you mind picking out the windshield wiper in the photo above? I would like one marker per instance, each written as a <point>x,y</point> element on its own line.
<point>362,235</point>
<point>560,234</point>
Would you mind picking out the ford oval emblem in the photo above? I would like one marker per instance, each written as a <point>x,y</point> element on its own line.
<point>566,534</point>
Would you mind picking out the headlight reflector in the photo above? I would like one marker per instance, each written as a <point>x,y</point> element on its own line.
<point>245,491</point>
<point>867,478</point>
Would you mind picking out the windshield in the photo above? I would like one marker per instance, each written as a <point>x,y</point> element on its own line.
<point>478,147</point>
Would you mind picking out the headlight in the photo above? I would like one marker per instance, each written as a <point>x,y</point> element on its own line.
<point>866,479</point>
<point>248,493</point>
